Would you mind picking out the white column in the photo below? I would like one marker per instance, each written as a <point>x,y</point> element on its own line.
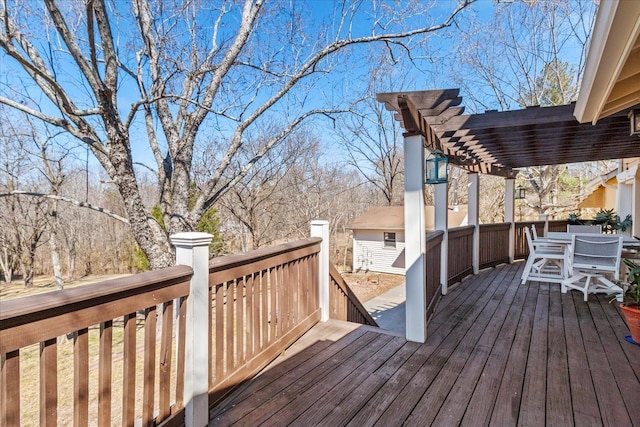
<point>192,249</point>
<point>509,214</point>
<point>320,228</point>
<point>441,222</point>
<point>473,217</point>
<point>415,239</point>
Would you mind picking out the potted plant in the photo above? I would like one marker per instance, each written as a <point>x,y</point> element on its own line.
<point>630,304</point>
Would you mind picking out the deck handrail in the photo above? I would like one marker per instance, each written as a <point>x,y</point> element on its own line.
<point>41,319</point>
<point>344,304</point>
<point>272,295</point>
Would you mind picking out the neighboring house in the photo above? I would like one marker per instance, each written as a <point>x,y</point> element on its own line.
<point>378,237</point>
<point>618,190</point>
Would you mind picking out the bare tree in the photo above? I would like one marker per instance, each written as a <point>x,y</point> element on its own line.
<point>538,61</point>
<point>202,75</point>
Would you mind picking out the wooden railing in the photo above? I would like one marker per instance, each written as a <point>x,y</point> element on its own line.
<point>433,260</point>
<point>460,262</point>
<point>344,304</point>
<point>94,329</point>
<point>494,244</point>
<point>261,302</point>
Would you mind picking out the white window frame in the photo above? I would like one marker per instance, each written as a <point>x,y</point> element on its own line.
<point>387,242</point>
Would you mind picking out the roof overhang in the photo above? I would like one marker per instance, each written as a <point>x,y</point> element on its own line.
<point>498,143</point>
<point>611,80</point>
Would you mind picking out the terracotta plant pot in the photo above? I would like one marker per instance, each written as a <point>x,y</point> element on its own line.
<point>632,316</point>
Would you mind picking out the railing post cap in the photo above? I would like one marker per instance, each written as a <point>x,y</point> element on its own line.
<point>319,222</point>
<point>191,238</point>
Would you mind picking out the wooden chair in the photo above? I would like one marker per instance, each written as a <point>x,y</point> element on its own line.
<point>596,260</point>
<point>546,261</point>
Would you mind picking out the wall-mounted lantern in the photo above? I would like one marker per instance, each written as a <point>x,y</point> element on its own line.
<point>520,192</point>
<point>634,118</point>
<point>437,168</point>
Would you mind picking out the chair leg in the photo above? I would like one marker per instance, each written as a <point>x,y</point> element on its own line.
<point>527,270</point>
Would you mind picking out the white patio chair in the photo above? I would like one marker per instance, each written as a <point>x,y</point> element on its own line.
<point>596,260</point>
<point>534,232</point>
<point>546,261</point>
<point>583,229</point>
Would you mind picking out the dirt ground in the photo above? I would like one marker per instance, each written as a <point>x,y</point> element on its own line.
<point>369,285</point>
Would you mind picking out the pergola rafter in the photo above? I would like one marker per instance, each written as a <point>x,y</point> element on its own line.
<point>498,143</point>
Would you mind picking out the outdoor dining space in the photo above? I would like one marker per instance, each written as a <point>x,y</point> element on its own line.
<point>497,353</point>
<point>582,258</point>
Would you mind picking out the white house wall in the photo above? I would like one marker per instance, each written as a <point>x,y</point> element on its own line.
<point>369,253</point>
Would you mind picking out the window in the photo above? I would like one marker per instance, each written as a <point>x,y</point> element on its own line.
<point>389,240</point>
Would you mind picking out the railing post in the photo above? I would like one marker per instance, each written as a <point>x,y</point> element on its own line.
<point>192,249</point>
<point>473,218</point>
<point>509,214</point>
<point>320,228</point>
<point>441,222</point>
<point>415,239</point>
<point>545,218</point>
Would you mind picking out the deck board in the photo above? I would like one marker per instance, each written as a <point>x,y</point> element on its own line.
<point>497,353</point>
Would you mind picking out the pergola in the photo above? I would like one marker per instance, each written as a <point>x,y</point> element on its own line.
<point>597,127</point>
<point>499,143</point>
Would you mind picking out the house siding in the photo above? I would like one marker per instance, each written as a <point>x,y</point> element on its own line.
<point>369,253</point>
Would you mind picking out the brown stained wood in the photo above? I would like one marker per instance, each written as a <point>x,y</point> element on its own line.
<point>315,398</point>
<point>180,353</point>
<point>342,299</point>
<point>165,360</point>
<point>149,370</point>
<point>345,411</point>
<point>69,309</point>
<point>532,406</point>
<point>234,266</point>
<point>273,304</point>
<point>10,389</point>
<point>350,380</point>
<point>105,356</point>
<point>507,405</point>
<point>238,336</point>
<point>470,372</point>
<point>281,297</point>
<point>463,362</point>
<point>431,359</point>
<point>249,326</point>
<point>211,356</point>
<point>265,316</point>
<point>484,395</point>
<point>611,404</point>
<point>255,365</point>
<point>219,333</point>
<point>583,395</point>
<point>48,382</point>
<point>558,405</point>
<point>280,395</point>
<point>461,375</point>
<point>129,370</point>
<point>619,363</point>
<point>81,378</point>
<point>229,322</point>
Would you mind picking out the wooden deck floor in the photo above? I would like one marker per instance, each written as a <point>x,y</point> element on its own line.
<point>497,354</point>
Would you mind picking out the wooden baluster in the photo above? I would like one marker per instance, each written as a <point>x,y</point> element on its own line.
<point>81,377</point>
